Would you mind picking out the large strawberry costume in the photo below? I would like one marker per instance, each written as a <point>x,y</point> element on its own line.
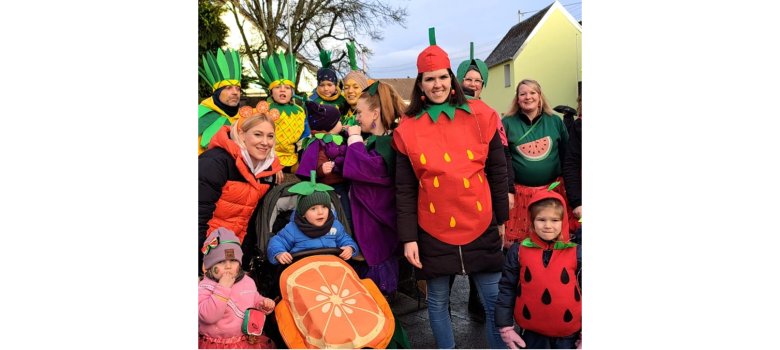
<point>451,190</point>
<point>540,289</point>
<point>280,69</point>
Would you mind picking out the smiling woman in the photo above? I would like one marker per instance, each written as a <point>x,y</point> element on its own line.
<point>235,173</point>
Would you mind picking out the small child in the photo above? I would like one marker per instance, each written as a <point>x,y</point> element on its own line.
<point>327,90</point>
<point>325,151</point>
<point>231,312</point>
<point>312,226</point>
<point>545,267</point>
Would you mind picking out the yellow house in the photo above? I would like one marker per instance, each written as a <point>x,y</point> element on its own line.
<point>546,47</point>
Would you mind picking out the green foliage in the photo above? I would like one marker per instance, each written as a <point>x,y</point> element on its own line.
<point>211,35</point>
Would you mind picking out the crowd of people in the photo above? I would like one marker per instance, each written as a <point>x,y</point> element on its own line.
<point>445,184</point>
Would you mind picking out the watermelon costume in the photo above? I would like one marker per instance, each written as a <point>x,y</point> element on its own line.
<point>540,289</point>
<point>537,150</point>
<point>219,71</point>
<point>280,69</point>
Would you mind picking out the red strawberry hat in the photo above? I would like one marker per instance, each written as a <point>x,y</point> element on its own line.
<point>549,193</point>
<point>433,57</point>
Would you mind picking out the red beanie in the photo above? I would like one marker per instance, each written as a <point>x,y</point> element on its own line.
<point>433,57</point>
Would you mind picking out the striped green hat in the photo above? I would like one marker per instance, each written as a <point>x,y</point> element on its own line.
<point>222,70</point>
<point>276,69</point>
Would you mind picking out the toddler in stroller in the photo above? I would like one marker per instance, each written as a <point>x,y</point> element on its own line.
<point>312,226</point>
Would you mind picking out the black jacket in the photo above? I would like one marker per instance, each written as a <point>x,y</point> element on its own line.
<point>572,166</point>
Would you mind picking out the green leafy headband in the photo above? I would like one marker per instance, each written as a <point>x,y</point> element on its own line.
<point>372,89</point>
<point>222,70</point>
<point>278,68</point>
<point>463,68</point>
<point>308,187</point>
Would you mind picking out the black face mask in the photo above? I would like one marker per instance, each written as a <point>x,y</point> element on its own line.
<point>231,111</point>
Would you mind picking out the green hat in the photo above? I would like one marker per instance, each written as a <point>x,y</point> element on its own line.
<point>311,193</point>
<point>276,69</point>
<point>463,68</point>
<point>222,70</point>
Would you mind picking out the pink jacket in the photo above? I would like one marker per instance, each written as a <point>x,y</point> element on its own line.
<point>221,310</point>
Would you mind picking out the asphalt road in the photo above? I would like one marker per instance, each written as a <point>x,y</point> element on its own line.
<point>469,334</point>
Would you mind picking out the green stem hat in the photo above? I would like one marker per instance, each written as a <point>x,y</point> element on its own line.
<point>463,68</point>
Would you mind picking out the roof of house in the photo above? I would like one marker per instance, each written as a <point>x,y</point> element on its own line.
<point>404,86</point>
<point>506,49</point>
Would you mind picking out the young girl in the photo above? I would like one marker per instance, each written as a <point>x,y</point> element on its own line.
<point>540,288</point>
<point>325,150</point>
<point>311,226</point>
<point>228,298</point>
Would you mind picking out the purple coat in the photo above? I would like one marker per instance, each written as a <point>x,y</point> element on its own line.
<point>372,198</point>
<point>310,157</point>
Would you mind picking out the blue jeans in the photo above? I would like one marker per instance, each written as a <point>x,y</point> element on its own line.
<point>439,302</point>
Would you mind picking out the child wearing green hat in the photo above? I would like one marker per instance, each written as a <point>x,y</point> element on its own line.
<point>312,226</point>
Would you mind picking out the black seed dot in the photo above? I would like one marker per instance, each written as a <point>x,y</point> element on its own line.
<point>527,274</point>
<point>564,276</point>
<point>526,313</point>
<point>546,298</point>
<point>567,317</point>
<point>576,294</point>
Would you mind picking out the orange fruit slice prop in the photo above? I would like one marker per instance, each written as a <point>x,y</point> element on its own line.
<point>326,305</point>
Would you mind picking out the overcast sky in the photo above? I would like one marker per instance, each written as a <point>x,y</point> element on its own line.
<point>457,22</point>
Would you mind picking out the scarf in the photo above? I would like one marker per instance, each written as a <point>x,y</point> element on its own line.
<point>310,230</point>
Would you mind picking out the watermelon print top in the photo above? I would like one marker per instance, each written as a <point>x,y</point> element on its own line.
<point>536,148</point>
<point>454,202</point>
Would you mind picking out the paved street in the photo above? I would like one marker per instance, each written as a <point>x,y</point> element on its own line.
<point>468,334</point>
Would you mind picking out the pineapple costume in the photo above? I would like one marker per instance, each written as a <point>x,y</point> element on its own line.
<point>280,69</point>
<point>219,71</point>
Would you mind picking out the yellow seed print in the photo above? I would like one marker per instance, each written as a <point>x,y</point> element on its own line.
<point>479,206</point>
<point>480,177</point>
<point>422,158</point>
<point>469,154</point>
<point>447,157</point>
<point>433,210</point>
<point>436,181</point>
<point>452,221</point>
<point>466,183</point>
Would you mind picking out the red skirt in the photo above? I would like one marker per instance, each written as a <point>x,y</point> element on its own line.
<point>238,342</point>
<point>518,227</point>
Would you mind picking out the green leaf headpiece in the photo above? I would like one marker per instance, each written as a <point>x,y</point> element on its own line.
<point>224,69</point>
<point>276,69</point>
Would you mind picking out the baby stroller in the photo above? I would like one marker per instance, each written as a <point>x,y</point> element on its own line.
<point>277,207</point>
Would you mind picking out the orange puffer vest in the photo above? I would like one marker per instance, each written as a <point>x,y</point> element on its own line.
<point>239,198</point>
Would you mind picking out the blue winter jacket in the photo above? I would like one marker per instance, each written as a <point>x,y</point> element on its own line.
<point>292,240</point>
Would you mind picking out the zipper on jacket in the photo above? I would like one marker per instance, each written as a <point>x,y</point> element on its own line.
<point>463,267</point>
